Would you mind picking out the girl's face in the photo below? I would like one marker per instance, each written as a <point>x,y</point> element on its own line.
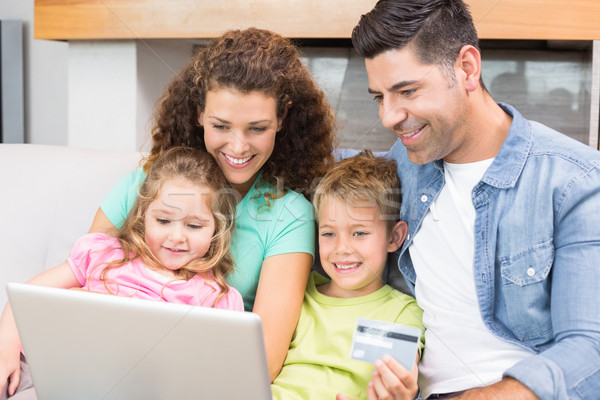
<point>179,223</point>
<point>239,132</point>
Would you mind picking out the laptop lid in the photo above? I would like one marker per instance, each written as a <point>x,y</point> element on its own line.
<point>82,345</point>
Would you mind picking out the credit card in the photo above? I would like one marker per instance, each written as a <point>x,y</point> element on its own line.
<point>372,339</point>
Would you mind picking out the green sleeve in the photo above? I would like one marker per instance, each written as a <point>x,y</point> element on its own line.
<point>412,315</point>
<point>286,226</point>
<point>295,227</point>
<point>120,199</point>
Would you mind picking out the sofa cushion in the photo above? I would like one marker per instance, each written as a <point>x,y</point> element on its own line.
<point>50,195</point>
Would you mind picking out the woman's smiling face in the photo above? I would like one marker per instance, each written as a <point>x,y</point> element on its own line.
<point>239,132</point>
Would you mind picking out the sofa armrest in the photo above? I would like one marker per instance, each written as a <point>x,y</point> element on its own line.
<point>50,195</point>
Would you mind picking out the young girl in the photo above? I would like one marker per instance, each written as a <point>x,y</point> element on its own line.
<point>173,246</point>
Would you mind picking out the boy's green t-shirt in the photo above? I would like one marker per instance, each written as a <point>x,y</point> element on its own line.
<point>318,364</point>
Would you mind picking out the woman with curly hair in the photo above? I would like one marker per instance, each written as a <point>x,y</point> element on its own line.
<point>247,99</point>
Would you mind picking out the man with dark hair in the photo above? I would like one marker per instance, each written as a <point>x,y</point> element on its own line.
<point>503,215</point>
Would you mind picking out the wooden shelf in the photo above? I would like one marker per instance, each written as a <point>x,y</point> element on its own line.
<point>178,19</point>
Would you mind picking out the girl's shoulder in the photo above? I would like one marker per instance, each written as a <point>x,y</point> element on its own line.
<point>98,240</point>
<point>95,243</point>
<point>94,248</point>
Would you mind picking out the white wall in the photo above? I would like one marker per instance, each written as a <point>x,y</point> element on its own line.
<point>92,94</point>
<point>113,87</point>
<point>45,79</point>
<point>102,94</point>
<point>158,61</point>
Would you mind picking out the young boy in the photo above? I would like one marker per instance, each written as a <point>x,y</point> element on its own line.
<point>357,205</point>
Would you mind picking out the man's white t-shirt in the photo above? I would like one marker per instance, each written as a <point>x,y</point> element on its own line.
<point>460,353</point>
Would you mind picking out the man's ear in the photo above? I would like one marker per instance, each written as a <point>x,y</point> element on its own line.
<point>199,113</point>
<point>397,236</point>
<point>468,67</point>
<point>285,113</point>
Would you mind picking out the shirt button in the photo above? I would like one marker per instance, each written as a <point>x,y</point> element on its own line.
<point>424,198</point>
<point>530,271</point>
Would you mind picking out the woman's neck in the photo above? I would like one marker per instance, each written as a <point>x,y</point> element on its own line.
<point>244,188</point>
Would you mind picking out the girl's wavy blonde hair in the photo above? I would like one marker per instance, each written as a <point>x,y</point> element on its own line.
<point>199,168</point>
<point>253,60</point>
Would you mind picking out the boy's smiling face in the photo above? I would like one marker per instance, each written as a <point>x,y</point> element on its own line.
<point>353,244</point>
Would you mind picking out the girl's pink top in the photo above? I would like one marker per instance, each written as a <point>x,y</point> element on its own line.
<point>93,251</point>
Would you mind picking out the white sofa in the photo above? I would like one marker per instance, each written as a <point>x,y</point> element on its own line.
<point>49,196</point>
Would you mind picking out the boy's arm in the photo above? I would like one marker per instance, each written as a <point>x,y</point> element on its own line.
<point>10,344</point>
<point>392,379</point>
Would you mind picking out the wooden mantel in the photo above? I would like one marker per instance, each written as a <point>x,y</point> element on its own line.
<point>149,19</point>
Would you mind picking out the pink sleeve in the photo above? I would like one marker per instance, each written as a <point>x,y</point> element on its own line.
<point>231,301</point>
<point>88,252</point>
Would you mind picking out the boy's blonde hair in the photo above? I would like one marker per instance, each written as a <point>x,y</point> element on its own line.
<point>363,178</point>
<point>200,168</point>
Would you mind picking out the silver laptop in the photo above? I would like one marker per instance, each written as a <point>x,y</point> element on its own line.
<point>82,345</point>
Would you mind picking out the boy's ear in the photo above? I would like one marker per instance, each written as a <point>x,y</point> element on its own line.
<point>397,236</point>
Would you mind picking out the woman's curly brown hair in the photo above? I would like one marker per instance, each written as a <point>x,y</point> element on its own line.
<point>247,61</point>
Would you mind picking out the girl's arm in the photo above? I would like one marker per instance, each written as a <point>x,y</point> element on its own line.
<point>278,302</point>
<point>10,345</point>
<point>61,276</point>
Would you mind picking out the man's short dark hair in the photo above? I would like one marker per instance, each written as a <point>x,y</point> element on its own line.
<point>436,30</point>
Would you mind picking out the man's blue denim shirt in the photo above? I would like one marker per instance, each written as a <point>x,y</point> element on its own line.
<point>537,252</point>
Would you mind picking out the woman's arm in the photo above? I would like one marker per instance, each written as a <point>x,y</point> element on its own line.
<point>278,302</point>
<point>101,224</point>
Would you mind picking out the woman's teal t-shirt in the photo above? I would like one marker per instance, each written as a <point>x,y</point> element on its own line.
<point>261,231</point>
